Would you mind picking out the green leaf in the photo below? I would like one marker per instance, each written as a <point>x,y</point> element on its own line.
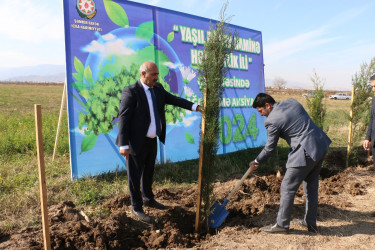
<point>78,66</point>
<point>189,138</point>
<point>116,13</point>
<point>186,81</point>
<point>85,93</point>
<point>79,85</point>
<point>88,76</point>
<point>145,31</point>
<point>78,76</point>
<point>170,37</point>
<point>80,102</point>
<point>88,142</point>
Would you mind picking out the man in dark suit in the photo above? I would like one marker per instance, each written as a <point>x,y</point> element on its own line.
<point>308,146</point>
<point>370,135</point>
<point>141,120</point>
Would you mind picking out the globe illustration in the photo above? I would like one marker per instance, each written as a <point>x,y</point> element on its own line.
<point>122,48</point>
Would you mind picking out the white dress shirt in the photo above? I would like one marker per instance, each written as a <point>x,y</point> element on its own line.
<point>151,133</point>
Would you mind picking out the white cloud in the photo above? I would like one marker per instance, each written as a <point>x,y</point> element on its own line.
<point>30,21</point>
<point>187,121</point>
<point>188,91</point>
<point>108,37</point>
<point>112,46</point>
<point>281,49</point>
<point>79,131</point>
<point>172,65</point>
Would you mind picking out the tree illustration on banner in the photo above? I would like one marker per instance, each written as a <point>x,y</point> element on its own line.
<point>105,73</point>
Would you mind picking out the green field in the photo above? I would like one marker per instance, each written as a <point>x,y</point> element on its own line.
<point>19,191</point>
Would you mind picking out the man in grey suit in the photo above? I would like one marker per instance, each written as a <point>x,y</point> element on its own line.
<point>141,120</point>
<point>308,146</point>
<point>370,135</point>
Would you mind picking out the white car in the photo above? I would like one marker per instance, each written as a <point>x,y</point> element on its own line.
<point>309,94</point>
<point>340,96</point>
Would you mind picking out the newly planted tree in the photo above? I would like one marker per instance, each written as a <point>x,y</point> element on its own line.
<point>361,105</point>
<point>212,71</point>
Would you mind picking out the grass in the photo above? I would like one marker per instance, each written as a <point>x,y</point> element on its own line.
<point>19,187</point>
<point>336,122</point>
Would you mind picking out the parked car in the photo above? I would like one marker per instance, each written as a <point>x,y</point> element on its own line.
<point>340,96</point>
<point>309,94</point>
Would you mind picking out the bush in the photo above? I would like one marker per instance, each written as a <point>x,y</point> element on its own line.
<point>315,105</point>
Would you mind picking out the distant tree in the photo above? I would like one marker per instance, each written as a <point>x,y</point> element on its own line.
<point>315,105</point>
<point>279,83</point>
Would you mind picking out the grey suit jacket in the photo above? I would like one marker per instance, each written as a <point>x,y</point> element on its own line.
<point>134,114</point>
<point>370,135</point>
<point>290,121</point>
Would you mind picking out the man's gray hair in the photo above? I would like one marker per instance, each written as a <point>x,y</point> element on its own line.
<point>143,68</point>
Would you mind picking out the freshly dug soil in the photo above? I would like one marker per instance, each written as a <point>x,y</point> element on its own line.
<point>254,205</point>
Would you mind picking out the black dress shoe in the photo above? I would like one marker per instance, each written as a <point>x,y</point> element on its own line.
<point>372,214</point>
<point>274,229</point>
<point>155,204</point>
<point>310,228</point>
<point>142,216</point>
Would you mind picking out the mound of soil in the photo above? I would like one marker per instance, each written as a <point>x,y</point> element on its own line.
<point>254,205</point>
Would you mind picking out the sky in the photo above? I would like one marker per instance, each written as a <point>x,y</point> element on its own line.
<point>333,38</point>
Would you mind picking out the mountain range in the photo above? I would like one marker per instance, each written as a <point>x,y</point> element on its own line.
<point>39,73</point>
<point>49,73</point>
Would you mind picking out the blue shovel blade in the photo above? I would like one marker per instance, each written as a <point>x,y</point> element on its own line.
<point>218,214</point>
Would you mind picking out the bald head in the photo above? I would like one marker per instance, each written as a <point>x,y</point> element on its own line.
<point>149,73</point>
<point>146,66</point>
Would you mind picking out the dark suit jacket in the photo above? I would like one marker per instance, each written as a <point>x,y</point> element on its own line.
<point>134,114</point>
<point>370,135</point>
<point>290,121</point>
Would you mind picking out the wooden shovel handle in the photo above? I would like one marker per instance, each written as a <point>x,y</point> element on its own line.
<point>240,182</point>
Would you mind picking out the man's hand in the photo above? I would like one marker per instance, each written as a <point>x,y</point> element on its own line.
<point>366,144</point>
<point>125,152</point>
<point>253,166</point>
<point>199,109</point>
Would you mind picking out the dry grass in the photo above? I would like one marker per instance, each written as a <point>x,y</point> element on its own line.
<point>19,191</point>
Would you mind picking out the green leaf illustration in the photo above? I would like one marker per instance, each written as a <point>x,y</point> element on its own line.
<point>78,66</point>
<point>78,76</point>
<point>88,76</point>
<point>85,108</point>
<point>116,13</point>
<point>189,138</point>
<point>145,31</point>
<point>170,37</point>
<point>88,142</point>
<point>79,85</point>
<point>85,93</point>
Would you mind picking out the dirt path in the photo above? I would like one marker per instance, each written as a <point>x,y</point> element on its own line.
<point>346,201</point>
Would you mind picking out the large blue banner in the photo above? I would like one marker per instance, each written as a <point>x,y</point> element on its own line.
<point>107,41</point>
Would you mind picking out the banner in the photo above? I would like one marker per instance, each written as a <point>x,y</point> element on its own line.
<point>107,41</point>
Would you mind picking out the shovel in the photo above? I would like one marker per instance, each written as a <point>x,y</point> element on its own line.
<point>218,212</point>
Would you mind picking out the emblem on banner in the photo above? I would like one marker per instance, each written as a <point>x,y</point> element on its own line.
<point>86,8</point>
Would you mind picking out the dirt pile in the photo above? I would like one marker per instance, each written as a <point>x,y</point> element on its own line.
<point>254,205</point>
